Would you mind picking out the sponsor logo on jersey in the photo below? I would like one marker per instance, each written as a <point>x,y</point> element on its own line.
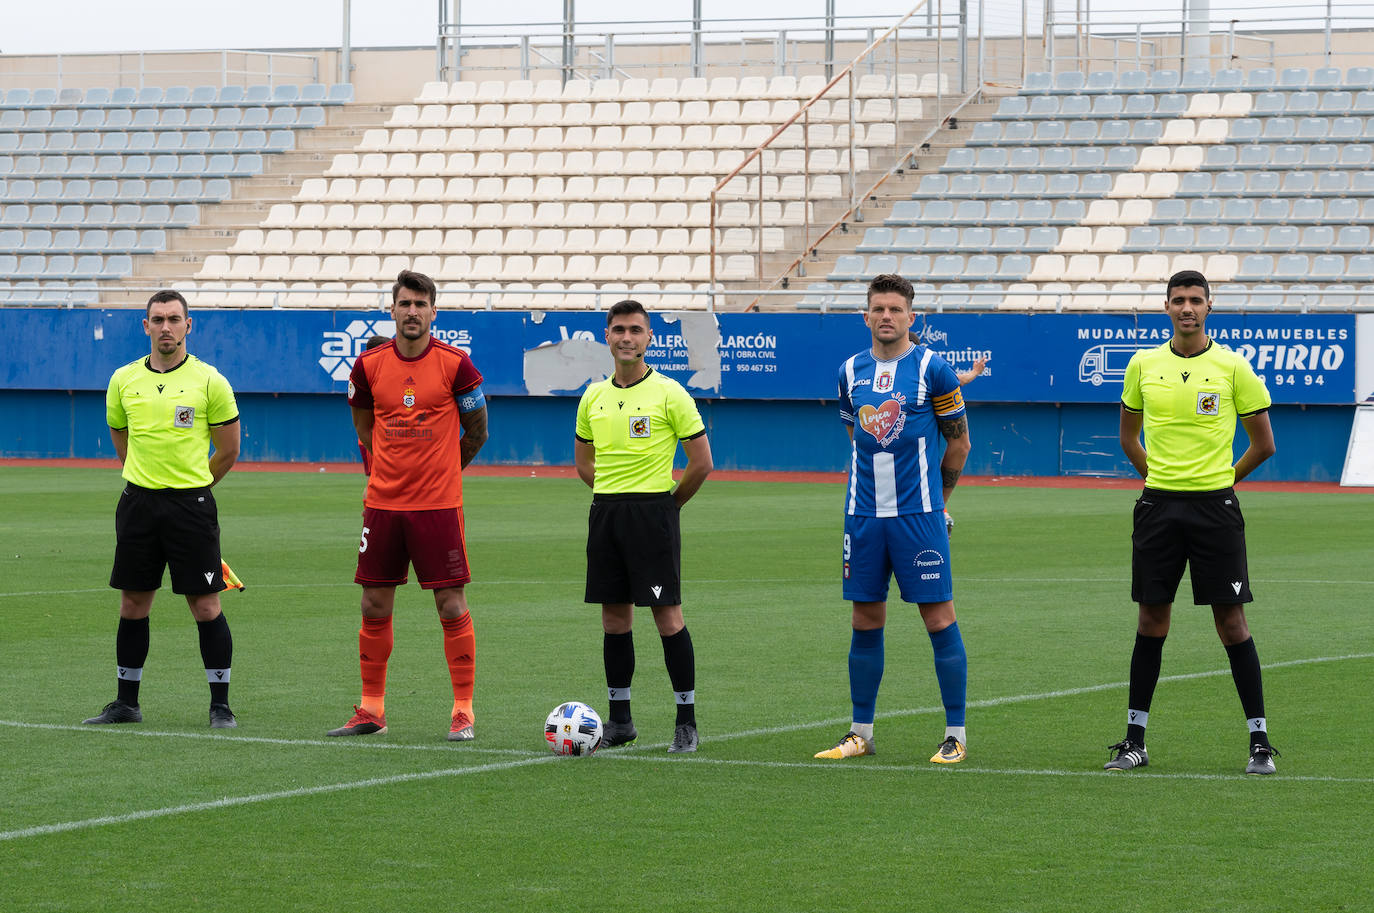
<point>1208,403</point>
<point>184,417</point>
<point>884,422</point>
<point>639,426</point>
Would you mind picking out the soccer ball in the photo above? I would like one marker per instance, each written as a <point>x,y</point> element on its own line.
<point>573,729</point>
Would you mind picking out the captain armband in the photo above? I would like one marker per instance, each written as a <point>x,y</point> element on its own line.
<point>472,400</point>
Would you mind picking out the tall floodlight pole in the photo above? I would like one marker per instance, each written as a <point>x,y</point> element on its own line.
<point>569,19</point>
<point>1198,45</point>
<point>829,40</point>
<point>963,46</point>
<point>346,52</point>
<point>697,62</point>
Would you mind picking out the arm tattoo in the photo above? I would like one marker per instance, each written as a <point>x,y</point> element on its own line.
<point>949,477</point>
<point>474,434</point>
<point>953,428</point>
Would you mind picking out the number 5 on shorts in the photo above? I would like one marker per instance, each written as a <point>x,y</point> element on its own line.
<point>362,545</point>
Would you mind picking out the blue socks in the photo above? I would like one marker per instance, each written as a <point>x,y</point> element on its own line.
<point>951,669</point>
<point>865,672</point>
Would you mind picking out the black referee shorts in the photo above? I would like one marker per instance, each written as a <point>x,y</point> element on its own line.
<point>157,528</point>
<point>1203,529</point>
<point>634,550</point>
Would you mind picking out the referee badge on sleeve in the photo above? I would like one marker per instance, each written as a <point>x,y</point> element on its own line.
<point>1207,403</point>
<point>184,417</point>
<point>639,426</point>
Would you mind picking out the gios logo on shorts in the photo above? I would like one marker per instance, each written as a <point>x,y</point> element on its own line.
<point>929,561</point>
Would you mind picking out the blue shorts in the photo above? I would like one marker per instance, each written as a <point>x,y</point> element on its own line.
<point>915,547</point>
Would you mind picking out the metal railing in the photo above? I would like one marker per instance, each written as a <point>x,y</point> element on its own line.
<point>160,68</point>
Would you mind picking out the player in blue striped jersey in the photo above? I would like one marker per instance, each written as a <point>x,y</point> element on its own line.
<point>899,400</point>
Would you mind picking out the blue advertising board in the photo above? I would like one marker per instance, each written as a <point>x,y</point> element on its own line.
<point>1048,358</point>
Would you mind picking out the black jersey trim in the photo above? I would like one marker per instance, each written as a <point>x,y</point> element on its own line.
<point>1132,411</point>
<point>693,437</point>
<point>148,363</point>
<point>581,438</point>
<point>635,384</point>
<point>1207,348</point>
<point>228,421</point>
<point>1256,412</point>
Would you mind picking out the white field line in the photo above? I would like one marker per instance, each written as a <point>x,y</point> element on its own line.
<point>231,801</point>
<point>634,752</point>
<point>965,770</point>
<point>478,584</point>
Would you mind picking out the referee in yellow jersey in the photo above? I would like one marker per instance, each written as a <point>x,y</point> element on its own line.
<point>164,412</point>
<point>1186,395</point>
<point>628,429</point>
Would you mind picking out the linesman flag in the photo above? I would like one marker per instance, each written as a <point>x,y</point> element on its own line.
<point>231,582</point>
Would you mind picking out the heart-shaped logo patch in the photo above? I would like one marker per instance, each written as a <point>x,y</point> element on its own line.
<point>879,421</point>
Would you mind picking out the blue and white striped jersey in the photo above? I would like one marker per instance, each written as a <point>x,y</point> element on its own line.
<point>893,407</point>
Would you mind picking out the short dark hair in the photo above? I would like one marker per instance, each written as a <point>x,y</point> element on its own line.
<point>628,306</point>
<point>888,282</point>
<point>376,341</point>
<point>167,294</point>
<point>1184,279</point>
<point>416,282</point>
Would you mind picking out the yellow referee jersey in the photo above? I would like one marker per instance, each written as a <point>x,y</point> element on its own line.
<point>168,416</point>
<point>1190,406</point>
<point>635,431</point>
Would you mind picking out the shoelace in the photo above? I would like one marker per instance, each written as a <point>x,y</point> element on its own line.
<point>1125,745</point>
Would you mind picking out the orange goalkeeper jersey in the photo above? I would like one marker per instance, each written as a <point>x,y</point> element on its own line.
<point>416,459</point>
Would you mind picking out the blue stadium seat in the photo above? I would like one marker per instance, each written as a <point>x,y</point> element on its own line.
<point>1259,183</point>
<point>1164,81</point>
<point>96,240</point>
<point>287,94</point>
<point>933,185</point>
<point>204,96</point>
<point>914,265</point>
<point>43,98</point>
<point>1177,237</point>
<point>117,266</point>
<point>1147,131</point>
<point>1317,238</point>
<point>909,239</point>
<point>65,241</point>
<point>1056,158</point>
<point>1132,81</point>
<point>980,267</point>
<point>961,159</point>
<point>255,118</point>
<point>1108,106</point>
<point>1013,266</point>
<point>1069,212</point>
<point>1195,80</point>
<point>1360,267</point>
<point>985,133</point>
<point>1048,132</point>
<point>947,266</point>
<point>280,141</point>
<point>1044,106</point>
<point>165,166</point>
<point>311,117</point>
<point>994,185</point>
<point>177,95</point>
<point>1142,239</point>
<point>183,215</point>
<point>1037,83</point>
<point>1292,268</point>
<point>879,264</point>
<point>150,241</point>
<point>1172,104</point>
<point>1281,238</point>
<point>1357,78</point>
<point>1293,78</point>
<point>255,140</point>
<point>1081,131</point>
<point>282,116</point>
<point>1353,238</point>
<point>970,212</point>
<point>1043,238</point>
<point>847,267</point>
<point>11,239</point>
<point>1012,107</point>
<point>31,266</point>
<point>1100,81</point>
<point>17,98</point>
<point>1260,79</point>
<point>875,240</point>
<point>314,93</point>
<point>975,238</point>
<point>1298,184</point>
<point>1008,239</point>
<point>904,212</point>
<point>257,95</point>
<point>1203,211</point>
<point>341,93</point>
<point>1089,158</point>
<point>988,158</point>
<point>1313,129</point>
<point>1336,103</point>
<point>1213,237</point>
<point>1069,82</point>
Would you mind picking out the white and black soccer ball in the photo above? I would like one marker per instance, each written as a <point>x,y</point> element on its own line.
<point>573,729</point>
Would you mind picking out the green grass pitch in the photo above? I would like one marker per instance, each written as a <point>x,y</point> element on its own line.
<point>166,816</point>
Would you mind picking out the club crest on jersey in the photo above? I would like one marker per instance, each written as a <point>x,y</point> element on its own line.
<point>1208,403</point>
<point>884,422</point>
<point>883,382</point>
<point>184,417</point>
<point>639,426</point>
<point>409,397</point>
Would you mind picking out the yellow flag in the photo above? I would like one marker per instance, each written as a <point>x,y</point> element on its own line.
<point>231,582</point>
